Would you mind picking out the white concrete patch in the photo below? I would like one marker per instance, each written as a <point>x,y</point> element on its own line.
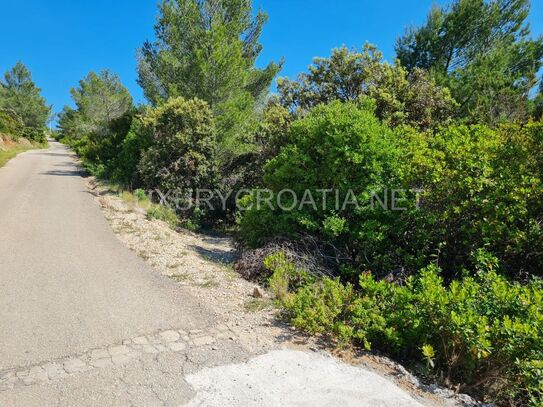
<point>294,378</point>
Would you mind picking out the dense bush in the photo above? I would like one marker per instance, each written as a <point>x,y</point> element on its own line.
<point>181,156</point>
<point>131,148</point>
<point>477,187</point>
<point>34,134</point>
<point>481,333</point>
<point>340,146</point>
<point>481,188</point>
<point>11,123</point>
<point>100,151</point>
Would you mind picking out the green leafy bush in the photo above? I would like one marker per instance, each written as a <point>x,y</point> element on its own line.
<point>35,134</point>
<point>163,213</point>
<point>480,188</point>
<point>11,123</point>
<point>135,143</point>
<point>477,187</point>
<point>286,276</point>
<point>470,333</point>
<point>181,157</point>
<point>341,146</point>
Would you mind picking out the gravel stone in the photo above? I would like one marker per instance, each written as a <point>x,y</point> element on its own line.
<point>203,340</point>
<point>177,346</point>
<point>169,336</point>
<point>119,350</point>
<point>141,340</point>
<point>74,365</point>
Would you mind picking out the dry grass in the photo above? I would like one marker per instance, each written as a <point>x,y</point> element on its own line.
<point>14,149</point>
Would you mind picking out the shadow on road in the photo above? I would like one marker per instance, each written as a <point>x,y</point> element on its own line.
<point>55,154</point>
<point>65,173</point>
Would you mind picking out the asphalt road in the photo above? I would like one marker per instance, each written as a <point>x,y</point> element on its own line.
<point>67,283</point>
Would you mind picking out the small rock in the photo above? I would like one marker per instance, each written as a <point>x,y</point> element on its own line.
<point>149,349</point>
<point>169,336</point>
<point>99,354</point>
<point>8,383</point>
<point>223,335</point>
<point>103,362</point>
<point>464,398</point>
<point>75,365</point>
<point>140,340</point>
<point>440,391</point>
<point>7,375</point>
<point>119,350</point>
<point>54,370</point>
<point>161,348</point>
<point>122,359</point>
<point>177,346</point>
<point>258,292</point>
<point>203,340</point>
<point>36,374</point>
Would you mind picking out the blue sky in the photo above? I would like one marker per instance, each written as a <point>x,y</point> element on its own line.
<point>61,41</point>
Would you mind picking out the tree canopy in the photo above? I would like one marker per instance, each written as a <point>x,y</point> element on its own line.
<point>207,49</point>
<point>347,75</point>
<point>483,51</point>
<point>100,99</point>
<point>19,93</point>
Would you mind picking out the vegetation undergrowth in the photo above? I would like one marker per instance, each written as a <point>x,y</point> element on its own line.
<point>481,334</point>
<point>140,199</point>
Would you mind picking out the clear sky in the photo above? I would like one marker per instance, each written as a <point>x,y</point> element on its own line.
<point>61,41</point>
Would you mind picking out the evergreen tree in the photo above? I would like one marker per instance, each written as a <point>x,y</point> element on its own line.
<point>19,93</point>
<point>481,50</point>
<point>207,49</point>
<point>100,99</point>
<point>350,75</point>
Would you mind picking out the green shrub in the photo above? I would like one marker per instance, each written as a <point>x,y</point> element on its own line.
<point>11,123</point>
<point>140,195</point>
<point>479,187</point>
<point>286,276</point>
<point>340,146</point>
<point>36,135</point>
<point>470,333</point>
<point>181,157</point>
<point>163,213</point>
<point>137,140</point>
<point>102,150</point>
